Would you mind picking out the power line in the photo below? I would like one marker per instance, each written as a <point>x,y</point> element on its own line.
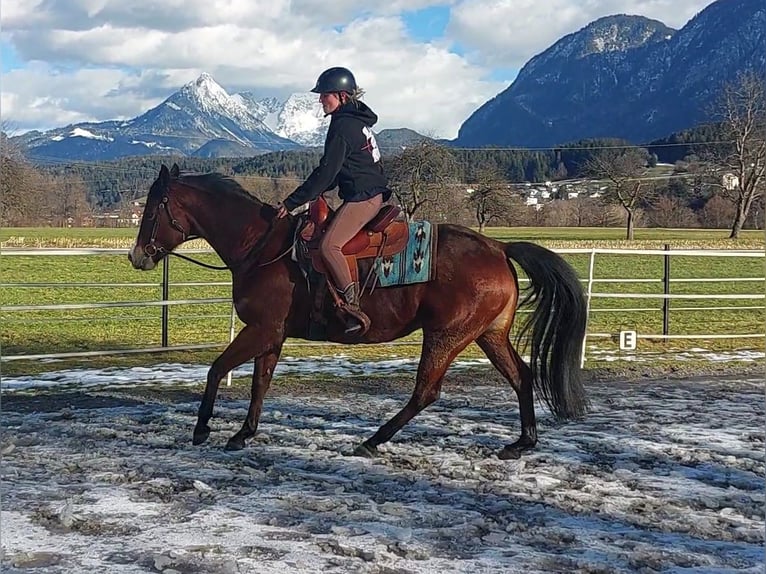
<point>565,148</point>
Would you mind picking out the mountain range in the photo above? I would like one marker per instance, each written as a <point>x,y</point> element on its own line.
<point>201,119</point>
<point>620,76</point>
<point>624,77</point>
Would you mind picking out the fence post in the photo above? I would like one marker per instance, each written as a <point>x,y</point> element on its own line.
<point>165,298</point>
<point>591,265</point>
<point>231,337</point>
<point>666,291</point>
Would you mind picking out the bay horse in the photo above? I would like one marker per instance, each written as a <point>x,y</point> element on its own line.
<point>474,297</point>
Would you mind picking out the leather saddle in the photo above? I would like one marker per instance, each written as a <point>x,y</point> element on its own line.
<point>383,236</point>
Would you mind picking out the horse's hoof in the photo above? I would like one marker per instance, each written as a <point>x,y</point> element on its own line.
<point>235,443</point>
<point>514,451</point>
<point>366,451</point>
<point>509,453</point>
<point>200,435</point>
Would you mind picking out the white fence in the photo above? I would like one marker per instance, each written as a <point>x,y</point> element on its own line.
<point>592,280</point>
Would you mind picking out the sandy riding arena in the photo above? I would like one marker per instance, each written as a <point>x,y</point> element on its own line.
<point>662,476</point>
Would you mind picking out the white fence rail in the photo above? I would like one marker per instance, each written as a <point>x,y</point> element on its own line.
<point>590,282</point>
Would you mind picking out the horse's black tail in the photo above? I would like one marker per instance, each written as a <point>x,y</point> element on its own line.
<point>556,327</point>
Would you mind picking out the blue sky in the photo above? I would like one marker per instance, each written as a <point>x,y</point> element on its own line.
<point>425,64</point>
<point>427,23</point>
<point>10,59</point>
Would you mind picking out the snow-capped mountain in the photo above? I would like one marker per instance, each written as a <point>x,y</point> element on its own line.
<point>199,119</point>
<point>624,77</point>
<point>265,109</point>
<point>203,110</point>
<point>299,118</point>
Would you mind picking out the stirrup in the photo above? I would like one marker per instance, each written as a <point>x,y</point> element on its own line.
<point>353,327</point>
<point>357,322</point>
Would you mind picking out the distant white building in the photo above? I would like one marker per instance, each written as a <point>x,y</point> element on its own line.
<point>729,181</point>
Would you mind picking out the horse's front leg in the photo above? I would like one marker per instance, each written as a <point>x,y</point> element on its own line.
<point>242,348</point>
<point>262,374</point>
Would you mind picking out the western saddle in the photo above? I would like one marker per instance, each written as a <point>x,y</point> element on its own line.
<point>383,236</point>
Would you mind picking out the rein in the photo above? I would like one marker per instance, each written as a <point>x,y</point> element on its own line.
<point>197,262</point>
<point>152,248</point>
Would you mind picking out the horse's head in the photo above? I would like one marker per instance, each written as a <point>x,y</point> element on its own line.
<point>163,223</point>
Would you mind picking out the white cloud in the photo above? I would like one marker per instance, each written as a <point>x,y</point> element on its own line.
<point>421,86</point>
<point>341,11</point>
<point>40,97</point>
<point>510,32</point>
<point>112,59</point>
<point>176,15</point>
<point>19,13</point>
<point>171,15</point>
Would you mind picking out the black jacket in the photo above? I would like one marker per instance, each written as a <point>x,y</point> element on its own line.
<point>351,160</point>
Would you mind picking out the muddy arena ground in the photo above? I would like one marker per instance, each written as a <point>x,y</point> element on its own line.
<point>663,475</point>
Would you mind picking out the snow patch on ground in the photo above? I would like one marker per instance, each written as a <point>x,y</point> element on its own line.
<point>335,365</point>
<point>661,476</point>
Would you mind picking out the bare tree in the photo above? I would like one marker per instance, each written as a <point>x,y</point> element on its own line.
<point>451,207</point>
<point>19,184</point>
<point>519,213</point>
<point>269,189</point>
<point>578,212</point>
<point>67,200</point>
<point>613,215</point>
<point>669,211</point>
<point>623,168</point>
<point>717,213</point>
<point>560,213</point>
<point>757,212</point>
<point>420,174</point>
<point>741,166</point>
<point>489,197</point>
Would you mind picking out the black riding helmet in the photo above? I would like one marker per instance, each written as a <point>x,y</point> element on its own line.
<point>335,80</point>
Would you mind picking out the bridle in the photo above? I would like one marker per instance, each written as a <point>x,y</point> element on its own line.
<point>152,248</point>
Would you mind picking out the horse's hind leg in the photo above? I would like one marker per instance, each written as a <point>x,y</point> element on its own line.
<point>241,349</point>
<point>439,350</point>
<point>504,357</point>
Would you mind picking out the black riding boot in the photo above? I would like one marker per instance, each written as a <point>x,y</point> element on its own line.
<point>357,321</point>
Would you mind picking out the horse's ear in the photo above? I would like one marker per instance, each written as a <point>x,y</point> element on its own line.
<point>164,176</point>
<point>175,171</point>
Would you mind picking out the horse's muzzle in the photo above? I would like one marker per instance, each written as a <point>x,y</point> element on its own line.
<point>140,260</point>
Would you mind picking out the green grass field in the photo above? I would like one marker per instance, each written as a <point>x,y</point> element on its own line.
<point>109,278</point>
<point>123,237</point>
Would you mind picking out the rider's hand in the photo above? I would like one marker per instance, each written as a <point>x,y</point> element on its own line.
<point>281,211</point>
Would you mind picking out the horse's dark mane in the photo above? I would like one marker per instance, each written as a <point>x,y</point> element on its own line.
<point>215,182</point>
